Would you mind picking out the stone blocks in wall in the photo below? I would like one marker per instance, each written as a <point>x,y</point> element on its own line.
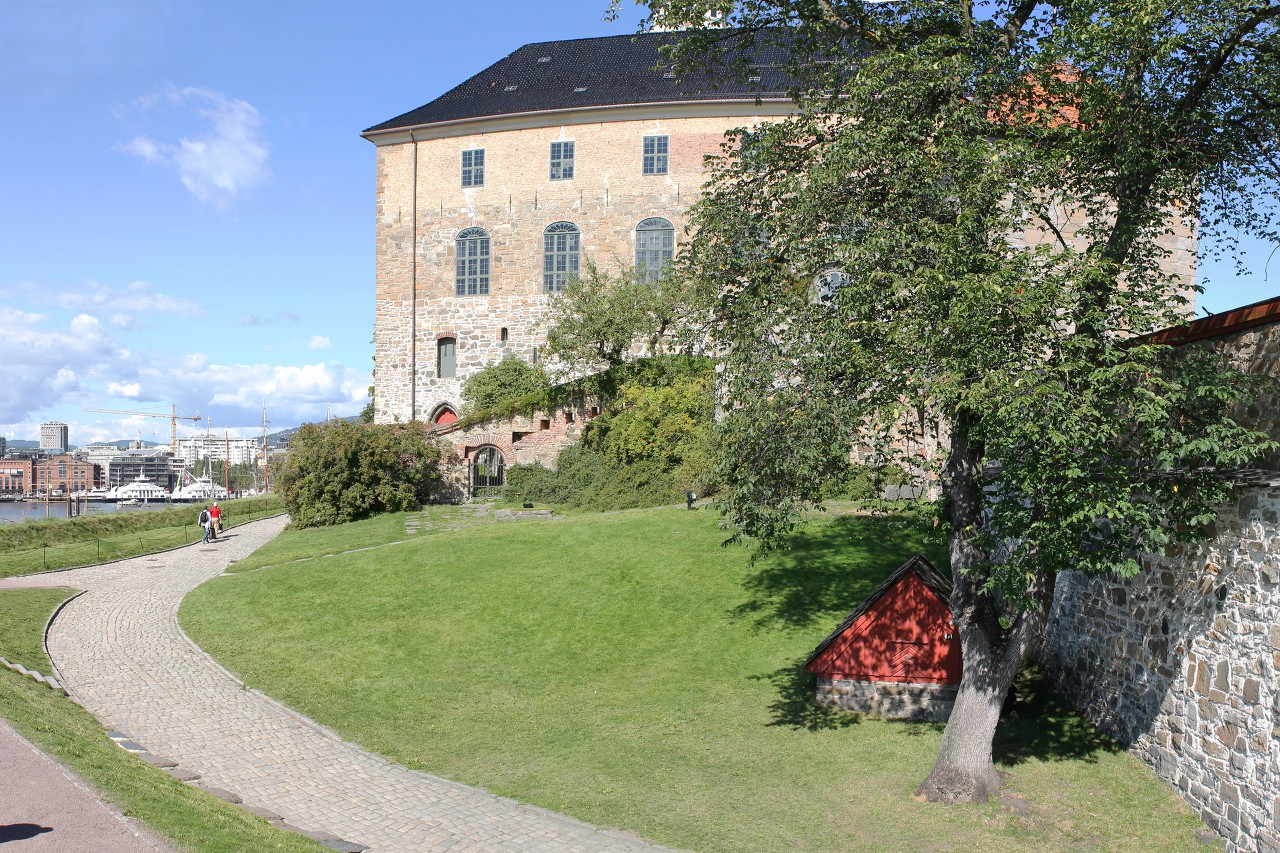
<point>1181,664</point>
<point>889,699</point>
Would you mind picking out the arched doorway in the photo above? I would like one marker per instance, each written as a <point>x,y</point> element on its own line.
<point>444,416</point>
<point>488,472</point>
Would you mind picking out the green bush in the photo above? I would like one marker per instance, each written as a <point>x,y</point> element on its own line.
<point>654,441</point>
<point>502,384</point>
<point>340,471</point>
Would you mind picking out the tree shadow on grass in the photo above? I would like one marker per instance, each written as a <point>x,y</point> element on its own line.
<point>1038,724</point>
<point>795,707</point>
<point>830,567</point>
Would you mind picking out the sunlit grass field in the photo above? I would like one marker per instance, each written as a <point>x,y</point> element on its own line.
<point>631,670</point>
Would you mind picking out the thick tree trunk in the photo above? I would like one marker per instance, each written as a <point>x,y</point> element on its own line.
<point>964,771</point>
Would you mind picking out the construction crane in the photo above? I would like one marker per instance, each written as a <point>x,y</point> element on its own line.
<point>173,417</point>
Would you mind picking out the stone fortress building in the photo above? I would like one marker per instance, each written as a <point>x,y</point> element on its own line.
<point>494,195</point>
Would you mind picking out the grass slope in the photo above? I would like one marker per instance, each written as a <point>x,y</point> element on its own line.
<point>629,670</point>
<point>189,818</point>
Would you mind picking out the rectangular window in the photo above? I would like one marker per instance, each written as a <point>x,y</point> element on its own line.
<point>473,168</point>
<point>446,358</point>
<point>655,155</point>
<point>561,161</point>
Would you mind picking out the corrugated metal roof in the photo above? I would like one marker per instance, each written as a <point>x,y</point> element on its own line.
<point>593,72</point>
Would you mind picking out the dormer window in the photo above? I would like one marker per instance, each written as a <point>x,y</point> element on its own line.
<point>509,88</point>
<point>544,59</point>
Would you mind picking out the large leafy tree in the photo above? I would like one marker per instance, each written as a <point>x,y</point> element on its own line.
<point>964,233</point>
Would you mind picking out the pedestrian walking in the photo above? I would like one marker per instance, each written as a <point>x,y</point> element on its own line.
<point>215,516</point>
<point>206,524</point>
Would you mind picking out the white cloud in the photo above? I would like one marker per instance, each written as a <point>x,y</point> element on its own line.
<point>55,362</point>
<point>138,297</point>
<point>318,342</point>
<point>227,158</point>
<point>124,389</point>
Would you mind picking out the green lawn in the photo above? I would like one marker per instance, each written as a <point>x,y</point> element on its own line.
<point>629,670</point>
<point>189,818</point>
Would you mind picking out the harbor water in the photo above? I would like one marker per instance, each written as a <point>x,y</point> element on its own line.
<point>18,511</point>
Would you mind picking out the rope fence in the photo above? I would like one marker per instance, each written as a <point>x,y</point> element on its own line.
<point>88,552</point>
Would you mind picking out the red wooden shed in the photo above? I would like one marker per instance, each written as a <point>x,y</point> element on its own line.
<point>897,655</point>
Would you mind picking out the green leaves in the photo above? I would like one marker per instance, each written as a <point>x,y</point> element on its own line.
<point>1008,202</point>
<point>339,471</point>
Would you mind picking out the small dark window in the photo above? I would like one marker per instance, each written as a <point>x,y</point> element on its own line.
<point>545,423</point>
<point>473,168</point>
<point>472,277</point>
<point>655,155</point>
<point>561,161</point>
<point>568,417</point>
<point>446,358</point>
<point>503,334</point>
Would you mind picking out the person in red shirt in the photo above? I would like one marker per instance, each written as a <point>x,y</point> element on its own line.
<point>215,516</point>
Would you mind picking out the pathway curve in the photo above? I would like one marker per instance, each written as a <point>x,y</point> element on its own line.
<point>120,652</point>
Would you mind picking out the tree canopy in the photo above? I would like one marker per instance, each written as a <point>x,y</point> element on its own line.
<point>961,236</point>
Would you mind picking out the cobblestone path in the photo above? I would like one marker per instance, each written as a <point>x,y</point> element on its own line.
<point>120,652</point>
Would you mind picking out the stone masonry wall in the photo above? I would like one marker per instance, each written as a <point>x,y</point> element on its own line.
<point>607,197</point>
<point>894,700</point>
<point>1182,662</point>
<point>522,440</point>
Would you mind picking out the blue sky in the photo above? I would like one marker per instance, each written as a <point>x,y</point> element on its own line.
<point>186,205</point>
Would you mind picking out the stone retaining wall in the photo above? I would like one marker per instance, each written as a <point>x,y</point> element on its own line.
<point>894,700</point>
<point>1181,662</point>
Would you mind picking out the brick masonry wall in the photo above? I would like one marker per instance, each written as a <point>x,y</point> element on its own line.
<point>1181,662</point>
<point>522,440</point>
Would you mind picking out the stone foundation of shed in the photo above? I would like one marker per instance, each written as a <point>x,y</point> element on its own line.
<point>889,699</point>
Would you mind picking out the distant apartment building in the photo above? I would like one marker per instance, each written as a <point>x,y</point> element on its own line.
<point>54,436</point>
<point>63,473</point>
<point>4,445</point>
<point>240,451</point>
<point>153,463</point>
<point>99,454</point>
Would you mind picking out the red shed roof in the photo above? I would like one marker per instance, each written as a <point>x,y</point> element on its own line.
<point>1236,320</point>
<point>937,582</point>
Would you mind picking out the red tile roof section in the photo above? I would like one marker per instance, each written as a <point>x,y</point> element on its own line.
<point>1236,320</point>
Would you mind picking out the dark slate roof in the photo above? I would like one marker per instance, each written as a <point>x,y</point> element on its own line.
<point>937,582</point>
<point>594,72</point>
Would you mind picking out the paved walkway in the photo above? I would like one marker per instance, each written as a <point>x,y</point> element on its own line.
<point>120,652</point>
<point>44,807</point>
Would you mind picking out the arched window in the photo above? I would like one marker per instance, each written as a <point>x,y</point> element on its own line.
<point>655,246</point>
<point>472,278</point>
<point>559,255</point>
<point>446,358</point>
<point>488,472</point>
<point>827,283</point>
<point>444,414</point>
